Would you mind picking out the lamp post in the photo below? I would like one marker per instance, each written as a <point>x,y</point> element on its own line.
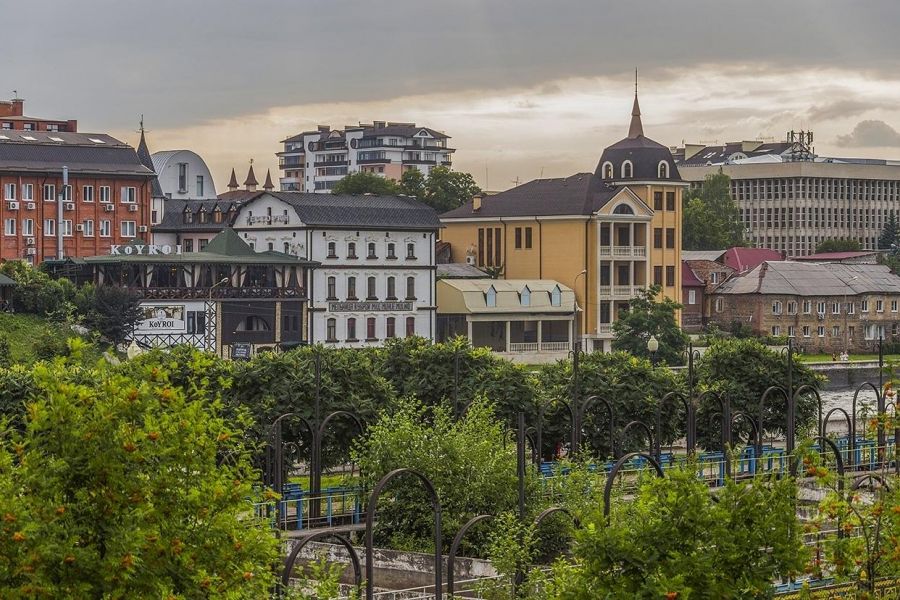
<point>578,336</point>
<point>652,348</point>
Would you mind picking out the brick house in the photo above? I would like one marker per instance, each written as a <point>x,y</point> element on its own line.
<point>693,298</point>
<point>824,307</point>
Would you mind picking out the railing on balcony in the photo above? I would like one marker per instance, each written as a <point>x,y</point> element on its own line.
<point>623,251</point>
<point>523,346</point>
<point>219,293</point>
<point>626,291</point>
<point>555,346</point>
<point>604,328</point>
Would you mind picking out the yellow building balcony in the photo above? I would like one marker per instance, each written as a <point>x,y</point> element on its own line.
<point>623,251</point>
<point>619,291</point>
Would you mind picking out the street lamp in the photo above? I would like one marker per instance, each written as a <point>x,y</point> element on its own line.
<point>577,339</point>
<point>652,347</point>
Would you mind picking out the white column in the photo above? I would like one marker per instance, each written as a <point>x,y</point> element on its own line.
<point>631,234</point>
<point>508,330</point>
<point>469,325</point>
<point>539,334</point>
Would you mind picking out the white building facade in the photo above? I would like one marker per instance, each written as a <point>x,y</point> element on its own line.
<point>313,161</point>
<point>375,278</point>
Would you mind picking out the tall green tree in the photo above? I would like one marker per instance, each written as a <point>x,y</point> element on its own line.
<point>366,183</point>
<point>711,219</point>
<point>835,245</point>
<point>890,233</point>
<point>111,310</point>
<point>443,189</point>
<point>651,315</point>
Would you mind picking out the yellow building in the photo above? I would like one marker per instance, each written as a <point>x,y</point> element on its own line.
<point>605,234</point>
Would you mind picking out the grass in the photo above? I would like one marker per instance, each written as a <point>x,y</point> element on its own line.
<point>853,357</point>
<point>26,333</point>
<point>338,480</point>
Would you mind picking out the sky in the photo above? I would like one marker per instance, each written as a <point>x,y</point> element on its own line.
<point>524,88</point>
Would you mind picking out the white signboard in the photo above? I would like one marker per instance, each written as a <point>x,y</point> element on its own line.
<point>162,319</point>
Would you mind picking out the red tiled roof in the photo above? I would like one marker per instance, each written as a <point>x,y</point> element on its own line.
<point>745,259</point>
<point>688,277</point>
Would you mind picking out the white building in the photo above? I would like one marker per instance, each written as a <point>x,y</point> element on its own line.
<point>183,175</point>
<point>313,161</point>
<point>376,274</point>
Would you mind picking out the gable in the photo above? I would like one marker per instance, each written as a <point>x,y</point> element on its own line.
<point>626,197</point>
<point>267,211</point>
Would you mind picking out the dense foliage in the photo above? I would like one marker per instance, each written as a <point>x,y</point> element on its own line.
<point>711,218</point>
<point>650,314</point>
<point>839,245</point>
<point>890,234</point>
<point>366,183</point>
<point>120,484</point>
<point>442,189</point>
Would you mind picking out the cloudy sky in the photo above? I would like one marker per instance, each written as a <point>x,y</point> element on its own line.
<point>524,87</point>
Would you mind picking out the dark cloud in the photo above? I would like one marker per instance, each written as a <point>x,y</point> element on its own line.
<point>876,134</point>
<point>107,61</point>
<point>841,109</point>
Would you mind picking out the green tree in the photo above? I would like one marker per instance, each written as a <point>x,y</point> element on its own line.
<point>890,233</point>
<point>122,485</point>
<point>711,218</point>
<point>111,310</point>
<point>366,183</point>
<point>442,190</point>
<point>412,183</point>
<point>835,245</point>
<point>651,314</point>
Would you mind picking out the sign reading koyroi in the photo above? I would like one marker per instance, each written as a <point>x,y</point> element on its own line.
<point>370,306</point>
<point>162,318</point>
<point>144,249</point>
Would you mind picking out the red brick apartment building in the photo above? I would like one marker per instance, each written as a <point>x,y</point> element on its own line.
<point>12,118</point>
<point>107,200</point>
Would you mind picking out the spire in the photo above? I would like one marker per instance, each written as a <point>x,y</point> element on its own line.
<point>250,183</point>
<point>232,183</point>
<point>268,185</point>
<point>636,129</point>
<point>146,159</point>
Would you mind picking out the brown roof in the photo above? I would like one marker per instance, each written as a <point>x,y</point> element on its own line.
<point>268,185</point>
<point>232,183</point>
<point>251,177</point>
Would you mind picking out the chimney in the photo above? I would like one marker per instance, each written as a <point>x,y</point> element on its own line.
<point>476,203</point>
<point>324,128</point>
<point>18,107</point>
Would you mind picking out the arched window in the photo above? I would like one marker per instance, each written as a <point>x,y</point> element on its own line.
<point>410,251</point>
<point>287,247</point>
<point>391,288</point>
<point>332,250</point>
<point>332,288</point>
<point>390,327</point>
<point>627,169</point>
<point>490,297</point>
<point>351,250</point>
<point>410,288</point>
<point>525,296</point>
<point>351,329</point>
<point>391,251</point>
<point>371,250</point>
<point>663,169</point>
<point>253,323</point>
<point>188,215</point>
<point>331,330</point>
<point>370,289</point>
<point>607,170</point>
<point>623,209</point>
<point>351,288</point>
<point>410,326</point>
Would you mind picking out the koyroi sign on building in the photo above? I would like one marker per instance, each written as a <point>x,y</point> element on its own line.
<point>162,318</point>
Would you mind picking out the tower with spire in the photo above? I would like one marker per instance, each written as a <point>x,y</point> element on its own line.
<point>250,183</point>
<point>232,183</point>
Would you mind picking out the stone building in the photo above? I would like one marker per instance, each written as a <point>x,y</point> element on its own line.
<point>824,307</point>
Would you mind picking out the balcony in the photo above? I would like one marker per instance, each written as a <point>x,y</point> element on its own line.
<point>290,164</point>
<point>372,161</point>
<point>623,251</point>
<point>604,328</point>
<point>219,293</point>
<point>618,291</point>
<point>331,163</point>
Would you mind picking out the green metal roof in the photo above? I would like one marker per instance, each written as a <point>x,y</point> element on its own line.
<point>6,281</point>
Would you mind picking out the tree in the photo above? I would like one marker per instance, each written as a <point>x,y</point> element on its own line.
<point>890,233</point>
<point>111,310</point>
<point>412,183</point>
<point>650,314</point>
<point>366,183</point>
<point>442,190</point>
<point>711,218</point>
<point>836,245</point>
<point>120,484</point>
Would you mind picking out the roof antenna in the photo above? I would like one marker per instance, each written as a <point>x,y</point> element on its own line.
<point>635,81</point>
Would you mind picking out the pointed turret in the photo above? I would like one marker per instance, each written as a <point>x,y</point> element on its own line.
<point>268,185</point>
<point>636,129</point>
<point>250,183</point>
<point>146,159</point>
<point>232,183</point>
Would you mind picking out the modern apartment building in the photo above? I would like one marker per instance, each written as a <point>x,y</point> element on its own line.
<point>791,200</point>
<point>313,161</point>
<point>606,235</point>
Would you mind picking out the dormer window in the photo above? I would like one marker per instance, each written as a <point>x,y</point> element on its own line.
<point>627,170</point>
<point>623,209</point>
<point>607,170</point>
<point>556,297</point>
<point>203,215</point>
<point>217,215</point>
<point>490,297</point>
<point>663,170</point>
<point>525,296</point>
<point>188,215</point>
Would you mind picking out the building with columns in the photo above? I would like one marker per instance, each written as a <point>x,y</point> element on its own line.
<point>606,235</point>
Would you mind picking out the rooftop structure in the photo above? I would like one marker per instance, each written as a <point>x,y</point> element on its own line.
<point>13,117</point>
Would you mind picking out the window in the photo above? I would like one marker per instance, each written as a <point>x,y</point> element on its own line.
<point>28,227</point>
<point>776,330</point>
<point>88,227</point>
<point>104,193</point>
<point>670,237</point>
<point>820,308</point>
<point>720,304</point>
<point>692,297</point>
<point>525,296</point>
<point>370,289</point>
<point>663,170</point>
<point>391,251</point>
<point>188,245</point>
<point>105,228</point>
<point>370,249</point>
<point>835,331</point>
<point>821,331</point>
<point>835,308</point>
<point>391,288</point>
<point>850,331</point>
<point>657,200</point>
<point>351,288</point>
<point>196,321</point>
<point>851,308</point>
<point>351,329</point>
<point>410,251</point>
<point>9,191</point>
<point>67,228</point>
<point>217,215</point>
<point>670,276</point>
<point>670,200</point>
<point>556,296</point>
<point>776,308</point>
<point>182,178</point>
<point>528,238</point>
<point>128,195</point>
<point>657,237</point>
<point>607,170</point>
<point>67,193</point>
<point>410,288</point>
<point>370,329</point>
<point>49,227</point>
<point>807,307</point>
<point>331,330</point>
<point>87,193</point>
<point>351,250</point>
<point>28,191</point>
<point>879,306</point>
<point>806,331</point>
<point>390,327</point>
<point>49,192</point>
<point>864,306</point>
<point>626,169</point>
<point>287,248</point>
<point>199,186</point>
<point>9,227</point>
<point>893,306</point>
<point>518,238</point>
<point>792,308</point>
<point>127,228</point>
<point>490,297</point>
<point>714,277</point>
<point>332,288</point>
<point>332,250</point>
<point>791,331</point>
<point>657,275</point>
<point>410,326</point>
